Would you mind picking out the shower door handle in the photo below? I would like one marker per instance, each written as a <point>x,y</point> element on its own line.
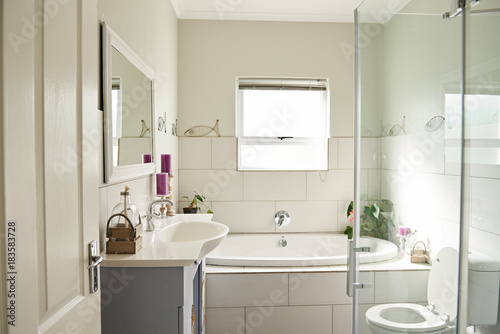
<point>351,257</point>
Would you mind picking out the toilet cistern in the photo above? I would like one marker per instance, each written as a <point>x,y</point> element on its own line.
<point>282,218</point>
<point>150,215</point>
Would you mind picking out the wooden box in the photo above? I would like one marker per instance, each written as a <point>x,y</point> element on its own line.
<point>122,241</point>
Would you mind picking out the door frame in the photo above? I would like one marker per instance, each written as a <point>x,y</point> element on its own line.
<point>3,287</point>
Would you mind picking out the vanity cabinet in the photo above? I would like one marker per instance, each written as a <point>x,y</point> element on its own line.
<point>166,300</point>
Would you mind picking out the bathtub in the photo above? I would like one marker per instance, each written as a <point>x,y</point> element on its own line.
<point>302,249</point>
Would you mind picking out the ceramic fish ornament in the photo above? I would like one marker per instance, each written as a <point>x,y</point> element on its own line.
<point>202,130</point>
<point>145,128</point>
<point>434,124</point>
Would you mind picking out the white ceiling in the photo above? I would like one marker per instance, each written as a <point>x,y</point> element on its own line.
<point>267,10</point>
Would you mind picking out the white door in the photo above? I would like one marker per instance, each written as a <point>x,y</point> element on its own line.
<point>49,147</point>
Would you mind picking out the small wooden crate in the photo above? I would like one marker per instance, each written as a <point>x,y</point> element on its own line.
<point>124,247</point>
<point>418,256</point>
<point>123,240</point>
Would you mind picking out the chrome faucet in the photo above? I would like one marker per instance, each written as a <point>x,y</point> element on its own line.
<point>150,226</point>
<point>282,218</point>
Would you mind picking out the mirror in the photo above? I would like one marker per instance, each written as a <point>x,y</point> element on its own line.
<point>128,111</point>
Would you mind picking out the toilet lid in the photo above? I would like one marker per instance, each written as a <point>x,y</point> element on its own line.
<point>442,290</point>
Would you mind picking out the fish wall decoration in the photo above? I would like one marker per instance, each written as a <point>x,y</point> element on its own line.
<point>202,130</point>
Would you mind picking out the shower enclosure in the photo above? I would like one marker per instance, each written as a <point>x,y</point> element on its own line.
<point>427,140</point>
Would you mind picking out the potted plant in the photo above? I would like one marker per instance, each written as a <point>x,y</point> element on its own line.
<point>375,221</point>
<point>194,205</point>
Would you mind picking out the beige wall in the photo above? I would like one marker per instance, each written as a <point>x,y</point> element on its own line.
<point>212,54</point>
<point>149,28</point>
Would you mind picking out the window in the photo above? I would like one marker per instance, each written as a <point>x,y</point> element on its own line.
<point>116,111</point>
<point>282,124</point>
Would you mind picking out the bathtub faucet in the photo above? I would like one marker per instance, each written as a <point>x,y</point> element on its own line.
<point>282,218</point>
<point>150,226</point>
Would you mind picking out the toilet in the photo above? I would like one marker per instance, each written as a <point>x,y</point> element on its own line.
<point>440,313</point>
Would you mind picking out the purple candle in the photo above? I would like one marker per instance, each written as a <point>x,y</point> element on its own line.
<point>146,158</point>
<point>403,231</point>
<point>162,184</point>
<point>166,164</point>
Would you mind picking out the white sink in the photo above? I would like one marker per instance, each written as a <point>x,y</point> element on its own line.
<point>193,238</point>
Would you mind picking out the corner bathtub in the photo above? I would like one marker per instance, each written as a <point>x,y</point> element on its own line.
<point>302,249</point>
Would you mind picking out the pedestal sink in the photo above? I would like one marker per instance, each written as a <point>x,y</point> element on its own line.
<point>193,239</point>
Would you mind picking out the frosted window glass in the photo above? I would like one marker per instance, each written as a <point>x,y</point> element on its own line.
<point>286,113</point>
<point>284,157</point>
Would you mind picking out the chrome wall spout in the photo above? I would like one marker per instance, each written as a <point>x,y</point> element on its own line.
<point>282,218</point>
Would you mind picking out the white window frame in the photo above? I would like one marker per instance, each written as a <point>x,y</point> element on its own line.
<point>257,141</point>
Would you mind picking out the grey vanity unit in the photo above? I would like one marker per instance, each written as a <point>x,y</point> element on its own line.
<point>166,300</point>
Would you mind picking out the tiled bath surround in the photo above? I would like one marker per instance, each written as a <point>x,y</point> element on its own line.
<point>298,302</point>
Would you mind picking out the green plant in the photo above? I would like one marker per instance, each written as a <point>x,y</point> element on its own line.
<point>197,200</point>
<point>374,221</point>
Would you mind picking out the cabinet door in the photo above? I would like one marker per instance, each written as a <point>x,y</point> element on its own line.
<point>199,318</point>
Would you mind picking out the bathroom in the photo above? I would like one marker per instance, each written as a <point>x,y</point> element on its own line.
<point>407,72</point>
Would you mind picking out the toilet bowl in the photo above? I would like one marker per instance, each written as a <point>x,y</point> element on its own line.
<point>405,318</point>
<point>437,317</point>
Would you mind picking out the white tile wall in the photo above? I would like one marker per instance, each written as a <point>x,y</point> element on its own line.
<point>309,216</point>
<point>224,153</point>
<point>485,204</point>
<point>486,243</point>
<point>370,153</point>
<point>401,286</point>
<point>346,153</point>
<point>373,184</point>
<point>425,153</point>
<point>195,153</point>
<point>290,320</point>
<point>393,153</point>
<point>363,326</point>
<point>367,295</point>
<point>216,185</point>
<point>274,186</point>
<point>247,217</point>
<point>333,153</point>
<point>331,185</point>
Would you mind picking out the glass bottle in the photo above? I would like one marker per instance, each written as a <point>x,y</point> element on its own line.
<point>128,209</point>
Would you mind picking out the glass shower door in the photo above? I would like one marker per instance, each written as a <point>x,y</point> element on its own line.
<point>408,135</point>
<point>482,149</point>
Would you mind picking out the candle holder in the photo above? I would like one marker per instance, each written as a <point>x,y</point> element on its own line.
<point>402,243</point>
<point>403,233</point>
<point>170,210</point>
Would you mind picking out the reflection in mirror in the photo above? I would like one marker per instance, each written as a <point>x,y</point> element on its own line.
<point>128,111</point>
<point>130,98</point>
